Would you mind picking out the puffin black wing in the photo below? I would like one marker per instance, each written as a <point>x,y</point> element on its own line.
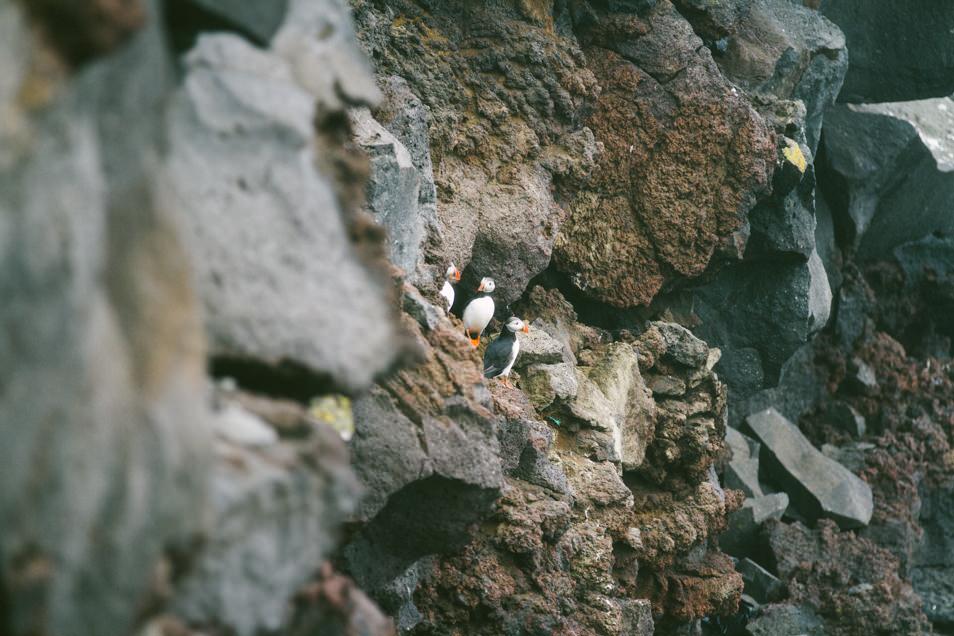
<point>497,354</point>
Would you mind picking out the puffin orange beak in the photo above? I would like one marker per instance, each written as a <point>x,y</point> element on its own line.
<point>457,275</point>
<point>481,287</point>
<point>526,328</point>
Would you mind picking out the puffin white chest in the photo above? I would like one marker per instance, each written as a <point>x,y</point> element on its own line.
<point>478,313</point>
<point>514,352</point>
<point>447,291</point>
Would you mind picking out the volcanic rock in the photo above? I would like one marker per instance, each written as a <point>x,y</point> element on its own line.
<point>888,173</point>
<point>265,229</point>
<point>739,539</point>
<point>743,474</point>
<point>545,383</point>
<point>760,584</point>
<point>895,56</point>
<point>259,20</point>
<point>648,215</point>
<point>394,192</point>
<point>105,432</point>
<point>792,620</point>
<point>818,486</point>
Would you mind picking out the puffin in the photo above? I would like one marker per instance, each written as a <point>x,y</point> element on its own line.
<point>447,291</point>
<point>479,311</point>
<point>502,352</point>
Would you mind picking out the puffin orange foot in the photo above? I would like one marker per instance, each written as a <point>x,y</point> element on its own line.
<point>475,342</point>
<point>506,382</point>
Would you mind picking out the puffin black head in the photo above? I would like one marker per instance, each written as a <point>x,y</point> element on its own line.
<point>487,285</point>
<point>514,325</point>
<point>453,274</point>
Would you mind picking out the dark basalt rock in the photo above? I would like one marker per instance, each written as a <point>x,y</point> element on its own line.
<point>933,563</point>
<point>761,313</point>
<point>743,474</point>
<point>818,486</point>
<point>740,538</point>
<point>760,584</point>
<point>895,55</point>
<point>793,620</point>
<point>843,416</point>
<point>887,173</point>
<point>258,20</point>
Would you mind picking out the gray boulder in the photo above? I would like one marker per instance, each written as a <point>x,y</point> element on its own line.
<point>282,285</point>
<point>258,20</point>
<point>391,452</point>
<point>759,314</point>
<point>539,347</point>
<point>861,377</point>
<point>784,49</point>
<point>743,474</point>
<point>525,447</point>
<point>760,584</point>
<point>932,572</point>
<point>740,536</point>
<point>613,398</point>
<point>784,619</point>
<point>887,173</point>
<point>743,447</point>
<point>546,383</point>
<point>682,345</point>
<point>801,386</point>
<point>638,618</point>
<point>104,427</point>
<point>276,507</point>
<point>784,224</point>
<point>895,55</point>
<point>866,154</point>
<point>394,192</point>
<point>844,417</point>
<point>818,486</point>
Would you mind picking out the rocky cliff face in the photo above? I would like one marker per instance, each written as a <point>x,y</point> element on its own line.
<point>234,404</point>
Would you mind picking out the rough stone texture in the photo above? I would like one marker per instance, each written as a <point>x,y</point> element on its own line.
<point>845,417</point>
<point>425,449</point>
<point>895,56</point>
<point>684,158</point>
<point>932,571</point>
<point>760,584</point>
<point>801,386</point>
<point>574,546</point>
<point>82,31</point>
<point>394,192</point>
<point>333,604</point>
<point>104,431</point>
<point>491,509</point>
<point>818,486</point>
<point>120,512</point>
<point>905,456</point>
<point>268,233</point>
<point>743,447</point>
<point>613,398</point>
<point>776,47</point>
<point>740,537</point>
<point>761,314</point>
<point>275,505</point>
<point>504,125</point>
<point>888,173</point>
<point>539,347</point>
<point>761,311</point>
<point>546,383</point>
<point>789,620</point>
<point>258,20</point>
<point>743,474</point>
<point>849,582</point>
